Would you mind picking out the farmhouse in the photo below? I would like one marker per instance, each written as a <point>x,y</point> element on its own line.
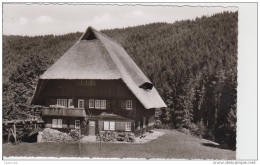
<point>96,86</point>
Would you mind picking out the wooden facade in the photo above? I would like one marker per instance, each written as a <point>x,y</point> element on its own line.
<point>115,92</point>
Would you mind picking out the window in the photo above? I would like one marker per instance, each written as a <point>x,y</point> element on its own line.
<point>86,82</point>
<point>97,104</point>
<point>77,124</point>
<point>128,126</point>
<point>62,102</point>
<point>106,125</point>
<point>103,104</point>
<point>56,123</point>
<point>70,103</point>
<point>92,123</point>
<point>90,82</point>
<point>59,123</point>
<point>91,103</point>
<point>80,103</point>
<point>129,104</point>
<point>109,125</point>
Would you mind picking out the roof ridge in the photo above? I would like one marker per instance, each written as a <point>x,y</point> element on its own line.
<point>105,36</point>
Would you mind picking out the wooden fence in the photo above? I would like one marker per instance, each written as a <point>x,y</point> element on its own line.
<point>12,127</point>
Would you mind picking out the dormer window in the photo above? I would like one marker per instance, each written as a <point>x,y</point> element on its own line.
<point>146,85</point>
<point>89,35</point>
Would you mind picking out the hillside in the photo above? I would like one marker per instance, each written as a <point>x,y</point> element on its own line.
<point>193,65</point>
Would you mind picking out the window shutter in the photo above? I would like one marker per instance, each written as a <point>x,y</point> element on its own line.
<point>123,104</point>
<point>86,102</point>
<point>108,104</point>
<point>51,101</point>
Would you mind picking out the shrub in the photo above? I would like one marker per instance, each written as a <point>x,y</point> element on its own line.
<point>184,130</point>
<point>74,134</point>
<point>158,124</point>
<point>55,136</point>
<point>112,136</point>
<point>197,130</point>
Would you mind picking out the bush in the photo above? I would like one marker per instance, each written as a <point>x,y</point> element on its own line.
<point>112,136</point>
<point>184,130</point>
<point>74,134</point>
<point>55,136</point>
<point>160,125</point>
<point>197,130</point>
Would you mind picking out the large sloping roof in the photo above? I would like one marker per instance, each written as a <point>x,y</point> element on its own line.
<point>102,58</point>
<point>87,59</point>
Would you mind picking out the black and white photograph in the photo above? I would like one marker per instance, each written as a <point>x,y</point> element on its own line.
<point>124,81</point>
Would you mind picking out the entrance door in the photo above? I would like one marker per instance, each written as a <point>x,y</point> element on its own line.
<point>92,127</point>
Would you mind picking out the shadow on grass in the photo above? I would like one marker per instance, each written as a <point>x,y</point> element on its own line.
<point>212,145</point>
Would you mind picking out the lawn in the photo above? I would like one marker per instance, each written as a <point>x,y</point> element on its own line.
<point>172,144</point>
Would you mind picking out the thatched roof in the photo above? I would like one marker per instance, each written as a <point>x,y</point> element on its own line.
<point>96,56</point>
<point>86,59</point>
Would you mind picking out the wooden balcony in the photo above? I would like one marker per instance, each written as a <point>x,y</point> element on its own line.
<point>68,112</point>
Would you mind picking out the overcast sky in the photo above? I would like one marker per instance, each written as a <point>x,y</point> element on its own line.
<point>40,19</point>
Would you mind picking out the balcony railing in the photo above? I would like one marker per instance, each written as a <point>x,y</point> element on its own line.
<point>58,111</point>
